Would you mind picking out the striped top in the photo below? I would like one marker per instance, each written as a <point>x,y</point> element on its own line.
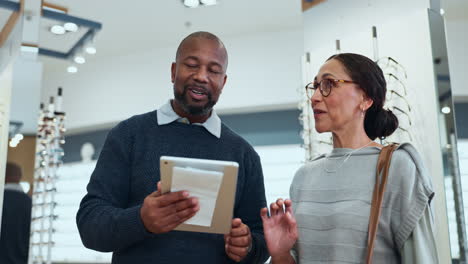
<point>332,198</point>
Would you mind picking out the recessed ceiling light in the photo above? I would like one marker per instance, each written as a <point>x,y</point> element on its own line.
<point>209,2</point>
<point>72,27</point>
<point>442,11</point>
<point>91,50</point>
<point>79,59</point>
<point>57,30</point>
<point>445,110</point>
<point>72,69</point>
<point>191,3</point>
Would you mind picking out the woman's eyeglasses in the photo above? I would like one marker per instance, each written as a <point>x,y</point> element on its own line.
<point>325,86</point>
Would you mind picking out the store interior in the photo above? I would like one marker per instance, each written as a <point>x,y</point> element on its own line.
<point>78,68</point>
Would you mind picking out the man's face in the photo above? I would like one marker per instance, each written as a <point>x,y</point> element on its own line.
<point>199,75</point>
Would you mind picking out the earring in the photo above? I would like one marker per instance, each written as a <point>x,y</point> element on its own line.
<point>362,113</point>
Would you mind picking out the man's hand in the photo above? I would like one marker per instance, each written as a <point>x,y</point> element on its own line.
<point>238,241</point>
<point>162,213</point>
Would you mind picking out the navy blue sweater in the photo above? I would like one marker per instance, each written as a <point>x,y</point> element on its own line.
<point>128,170</point>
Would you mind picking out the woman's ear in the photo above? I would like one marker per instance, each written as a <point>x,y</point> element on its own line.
<point>367,102</point>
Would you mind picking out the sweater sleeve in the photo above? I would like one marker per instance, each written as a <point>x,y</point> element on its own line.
<point>415,192</point>
<point>421,246</point>
<point>252,200</point>
<point>105,221</point>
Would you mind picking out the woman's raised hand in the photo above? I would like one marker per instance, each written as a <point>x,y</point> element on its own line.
<point>280,228</point>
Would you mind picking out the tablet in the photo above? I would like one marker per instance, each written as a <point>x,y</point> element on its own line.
<point>224,205</point>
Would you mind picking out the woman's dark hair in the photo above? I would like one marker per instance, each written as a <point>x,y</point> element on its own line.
<point>378,122</point>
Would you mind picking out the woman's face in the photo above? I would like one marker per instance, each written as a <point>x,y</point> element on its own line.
<point>342,108</point>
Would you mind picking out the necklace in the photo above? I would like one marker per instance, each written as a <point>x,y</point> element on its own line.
<point>347,156</point>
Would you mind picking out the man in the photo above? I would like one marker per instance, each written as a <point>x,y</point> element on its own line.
<point>16,219</point>
<point>123,213</point>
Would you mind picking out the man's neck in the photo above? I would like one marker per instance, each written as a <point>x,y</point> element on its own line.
<point>192,118</point>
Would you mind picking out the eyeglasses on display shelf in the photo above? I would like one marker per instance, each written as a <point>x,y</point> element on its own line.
<point>396,98</point>
<point>391,63</point>
<point>391,78</point>
<point>49,154</point>
<point>305,118</point>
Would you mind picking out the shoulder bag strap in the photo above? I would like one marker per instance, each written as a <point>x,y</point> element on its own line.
<point>383,165</point>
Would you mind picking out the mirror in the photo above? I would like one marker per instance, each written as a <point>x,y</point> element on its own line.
<point>448,139</point>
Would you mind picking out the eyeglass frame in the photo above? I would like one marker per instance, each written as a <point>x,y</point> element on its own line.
<point>393,92</point>
<point>391,62</point>
<point>393,76</point>
<point>335,81</point>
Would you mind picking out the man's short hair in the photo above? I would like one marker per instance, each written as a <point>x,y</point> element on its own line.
<point>13,172</point>
<point>203,35</point>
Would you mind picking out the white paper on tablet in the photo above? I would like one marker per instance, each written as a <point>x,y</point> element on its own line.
<point>202,184</point>
<point>221,217</point>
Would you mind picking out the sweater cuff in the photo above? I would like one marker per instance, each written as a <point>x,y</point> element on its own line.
<point>132,227</point>
<point>254,255</point>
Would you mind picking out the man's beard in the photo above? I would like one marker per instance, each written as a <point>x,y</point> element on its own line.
<point>181,98</point>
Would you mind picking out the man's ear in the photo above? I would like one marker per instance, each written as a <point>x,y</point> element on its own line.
<point>224,81</point>
<point>173,71</point>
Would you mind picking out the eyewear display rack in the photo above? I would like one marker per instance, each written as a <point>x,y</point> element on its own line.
<point>49,154</point>
<point>397,94</point>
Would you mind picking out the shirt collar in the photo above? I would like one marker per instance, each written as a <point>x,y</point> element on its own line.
<point>166,115</point>
<point>13,187</point>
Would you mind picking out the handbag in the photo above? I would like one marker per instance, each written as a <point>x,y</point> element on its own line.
<point>383,165</point>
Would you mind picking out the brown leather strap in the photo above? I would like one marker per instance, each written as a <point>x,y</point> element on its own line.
<point>383,165</point>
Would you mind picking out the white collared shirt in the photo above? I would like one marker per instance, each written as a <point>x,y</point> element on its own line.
<point>166,115</point>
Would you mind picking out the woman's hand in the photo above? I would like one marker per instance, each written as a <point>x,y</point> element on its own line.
<point>280,228</point>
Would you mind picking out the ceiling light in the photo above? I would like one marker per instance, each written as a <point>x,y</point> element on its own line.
<point>79,59</point>
<point>19,137</point>
<point>445,110</point>
<point>72,27</point>
<point>57,30</point>
<point>72,69</point>
<point>191,3</point>
<point>91,50</point>
<point>13,143</point>
<point>209,2</point>
<point>442,12</point>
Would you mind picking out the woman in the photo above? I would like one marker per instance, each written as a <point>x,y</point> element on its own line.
<point>331,195</point>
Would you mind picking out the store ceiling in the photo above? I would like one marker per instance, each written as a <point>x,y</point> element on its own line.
<point>132,26</point>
